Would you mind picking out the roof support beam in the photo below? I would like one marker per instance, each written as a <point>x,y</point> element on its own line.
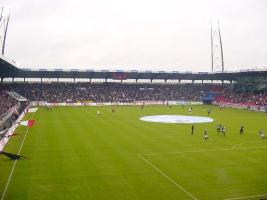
<point>138,76</point>
<point>106,77</point>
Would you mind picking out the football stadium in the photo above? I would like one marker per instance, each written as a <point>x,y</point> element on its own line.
<point>132,134</point>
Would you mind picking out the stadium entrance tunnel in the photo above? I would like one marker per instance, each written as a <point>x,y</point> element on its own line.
<point>176,119</point>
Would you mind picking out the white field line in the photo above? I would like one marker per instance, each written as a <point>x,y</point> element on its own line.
<point>201,151</point>
<point>237,145</point>
<point>14,165</point>
<point>247,197</point>
<point>167,177</point>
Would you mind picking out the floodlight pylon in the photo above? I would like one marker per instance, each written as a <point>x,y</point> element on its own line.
<point>4,21</point>
<point>217,59</point>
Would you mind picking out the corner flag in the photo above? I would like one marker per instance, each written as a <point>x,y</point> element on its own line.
<point>28,123</point>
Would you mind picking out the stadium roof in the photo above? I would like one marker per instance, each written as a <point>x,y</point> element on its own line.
<point>10,70</point>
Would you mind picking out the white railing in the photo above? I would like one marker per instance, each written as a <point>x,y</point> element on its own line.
<point>11,130</point>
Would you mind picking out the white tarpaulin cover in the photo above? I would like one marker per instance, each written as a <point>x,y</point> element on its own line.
<point>179,119</point>
<point>32,110</point>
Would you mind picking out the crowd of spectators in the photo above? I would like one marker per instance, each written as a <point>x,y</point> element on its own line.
<point>243,98</point>
<point>6,102</point>
<point>234,96</point>
<point>107,92</point>
<point>125,92</point>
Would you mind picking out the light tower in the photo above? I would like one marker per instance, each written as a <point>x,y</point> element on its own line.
<point>217,61</point>
<point>4,20</point>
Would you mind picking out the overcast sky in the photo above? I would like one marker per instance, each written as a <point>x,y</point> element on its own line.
<point>135,34</point>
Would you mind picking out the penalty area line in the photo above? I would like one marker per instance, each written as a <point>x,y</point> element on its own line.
<point>14,165</point>
<point>236,198</point>
<point>203,151</point>
<point>167,177</point>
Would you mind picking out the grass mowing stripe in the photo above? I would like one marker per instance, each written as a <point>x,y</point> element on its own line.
<point>236,198</point>
<point>167,177</point>
<point>14,165</point>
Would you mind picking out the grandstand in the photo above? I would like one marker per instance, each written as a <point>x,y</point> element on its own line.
<point>220,87</point>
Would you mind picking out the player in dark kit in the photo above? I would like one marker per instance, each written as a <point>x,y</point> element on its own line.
<point>192,129</point>
<point>222,130</point>
<point>113,110</point>
<point>218,128</point>
<point>241,131</point>
<point>209,111</point>
<point>206,135</point>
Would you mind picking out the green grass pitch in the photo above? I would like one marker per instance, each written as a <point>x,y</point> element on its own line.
<point>73,154</point>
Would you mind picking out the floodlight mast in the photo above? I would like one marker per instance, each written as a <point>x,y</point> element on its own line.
<point>1,14</point>
<point>219,31</point>
<point>217,59</point>
<point>4,21</point>
<point>211,39</point>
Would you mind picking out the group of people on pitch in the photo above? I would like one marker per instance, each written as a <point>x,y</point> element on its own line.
<point>261,132</point>
<point>221,129</point>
